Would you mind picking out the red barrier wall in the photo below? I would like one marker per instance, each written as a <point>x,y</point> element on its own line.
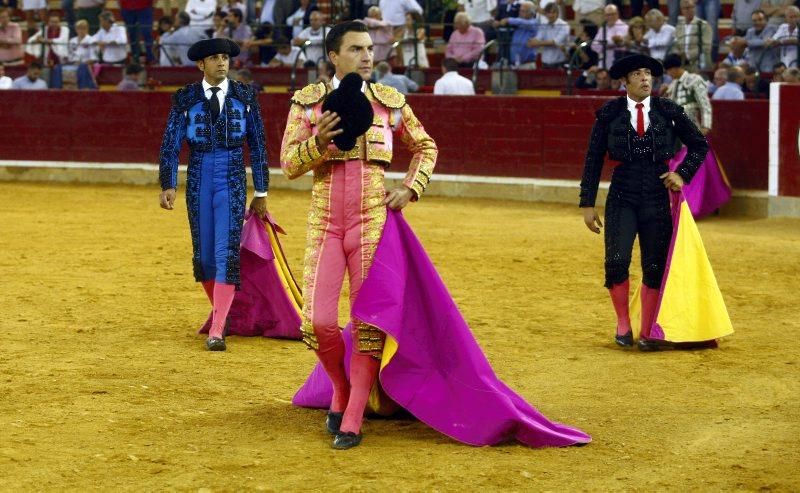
<point>496,136</point>
<point>789,152</point>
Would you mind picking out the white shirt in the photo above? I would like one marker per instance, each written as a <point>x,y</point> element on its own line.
<point>585,6</point>
<point>82,51</point>
<point>394,11</point>
<point>660,41</point>
<point>479,10</point>
<point>113,53</point>
<point>453,84</point>
<point>296,21</point>
<point>635,113</point>
<point>289,58</point>
<point>5,82</point>
<point>268,11</point>
<point>788,52</point>
<point>335,83</point>
<point>200,12</point>
<point>314,50</point>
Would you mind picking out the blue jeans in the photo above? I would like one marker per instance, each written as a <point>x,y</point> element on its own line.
<point>139,21</point>
<point>708,10</point>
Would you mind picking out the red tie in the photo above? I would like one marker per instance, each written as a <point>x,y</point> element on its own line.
<point>639,119</point>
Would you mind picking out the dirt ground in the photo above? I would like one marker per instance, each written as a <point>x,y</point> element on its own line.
<point>105,386</point>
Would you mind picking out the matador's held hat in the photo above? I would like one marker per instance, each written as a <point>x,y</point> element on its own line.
<point>209,47</point>
<point>353,107</point>
<point>628,64</point>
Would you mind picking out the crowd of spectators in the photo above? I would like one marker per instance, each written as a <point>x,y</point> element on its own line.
<point>83,35</point>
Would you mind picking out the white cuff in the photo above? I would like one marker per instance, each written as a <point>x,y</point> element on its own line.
<point>259,194</point>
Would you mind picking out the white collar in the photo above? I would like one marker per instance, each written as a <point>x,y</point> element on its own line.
<point>632,104</point>
<point>335,83</point>
<point>222,85</point>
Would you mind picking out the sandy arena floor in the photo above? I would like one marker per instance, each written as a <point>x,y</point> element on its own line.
<point>105,386</point>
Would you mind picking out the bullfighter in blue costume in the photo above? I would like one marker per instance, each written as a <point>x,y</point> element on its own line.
<point>215,117</point>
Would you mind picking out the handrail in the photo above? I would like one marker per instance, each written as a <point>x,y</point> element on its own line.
<point>478,61</point>
<point>293,77</point>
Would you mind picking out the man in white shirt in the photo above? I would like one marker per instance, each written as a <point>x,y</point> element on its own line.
<point>615,32</point>
<point>551,38</point>
<point>660,36</point>
<point>296,19</point>
<point>786,37</point>
<point>174,45</point>
<point>732,89</point>
<point>51,43</point>
<point>111,40</point>
<point>5,81</point>
<point>287,55</point>
<point>394,11</point>
<point>201,13</point>
<point>451,83</point>
<point>315,33</point>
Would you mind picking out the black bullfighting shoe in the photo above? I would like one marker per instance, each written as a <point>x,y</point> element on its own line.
<point>624,340</point>
<point>650,345</point>
<point>346,440</point>
<point>215,344</point>
<point>333,421</point>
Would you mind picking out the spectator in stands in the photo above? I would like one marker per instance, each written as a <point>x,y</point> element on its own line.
<point>164,26</point>
<point>689,91</point>
<point>325,71</point>
<point>481,15</point>
<point>217,23</point>
<point>384,75</point>
<point>394,12</point>
<point>552,38</point>
<point>614,40</point>
<point>130,81</point>
<point>753,83</point>
<point>201,13</point>
<point>719,80</point>
<point>466,42</point>
<point>777,72</point>
<point>287,55</point>
<point>264,43</point>
<point>235,29</point>
<point>755,40</point>
<point>297,21</point>
<point>32,79</point>
<point>594,78</point>
<point>525,27</point>
<point>381,32</point>
<point>111,40</point>
<point>451,83</point>
<point>786,37</point>
<point>267,12</point>
<point>591,10</point>
<point>10,39</point>
<point>245,76</point>
<point>174,45</point>
<point>234,4</point>
<point>281,10</point>
<point>31,9</point>
<point>138,17</point>
<point>737,53</point>
<point>412,47</point>
<point>635,41</point>
<point>709,10</point>
<point>732,89</point>
<point>81,47</point>
<point>742,16</point>
<point>89,10</point>
<point>660,36</point>
<point>581,53</point>
<point>315,35</point>
<point>602,80</point>
<point>693,39</point>
<point>792,76</point>
<point>775,10</point>
<point>50,45</point>
<point>5,81</point>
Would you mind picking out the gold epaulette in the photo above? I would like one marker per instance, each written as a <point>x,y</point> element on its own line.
<point>388,96</point>
<point>311,94</point>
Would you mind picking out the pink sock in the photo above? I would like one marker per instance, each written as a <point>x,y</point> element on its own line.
<point>208,286</point>
<point>619,298</point>
<point>363,372</point>
<point>332,360</point>
<point>223,298</point>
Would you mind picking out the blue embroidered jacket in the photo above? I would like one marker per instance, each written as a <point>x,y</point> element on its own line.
<point>190,119</point>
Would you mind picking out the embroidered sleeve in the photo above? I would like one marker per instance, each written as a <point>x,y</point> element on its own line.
<point>696,145</point>
<point>413,135</point>
<point>258,147</point>
<point>593,164</point>
<point>171,149</point>
<point>701,96</point>
<point>299,153</point>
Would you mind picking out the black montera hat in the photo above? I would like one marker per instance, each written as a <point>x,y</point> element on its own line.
<point>208,47</point>
<point>628,64</point>
<point>353,107</point>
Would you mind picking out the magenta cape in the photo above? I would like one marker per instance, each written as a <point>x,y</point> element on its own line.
<point>432,366</point>
<point>709,189</point>
<point>267,303</point>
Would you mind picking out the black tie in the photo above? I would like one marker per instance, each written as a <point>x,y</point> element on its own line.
<point>214,103</point>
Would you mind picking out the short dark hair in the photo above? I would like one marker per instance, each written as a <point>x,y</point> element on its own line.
<point>185,18</point>
<point>589,27</point>
<point>551,7</point>
<point>603,70</point>
<point>450,64</point>
<point>237,13</point>
<point>333,41</point>
<point>758,11</point>
<point>778,65</point>
<point>673,60</point>
<point>35,64</point>
<point>133,69</point>
<point>750,70</point>
<point>166,19</point>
